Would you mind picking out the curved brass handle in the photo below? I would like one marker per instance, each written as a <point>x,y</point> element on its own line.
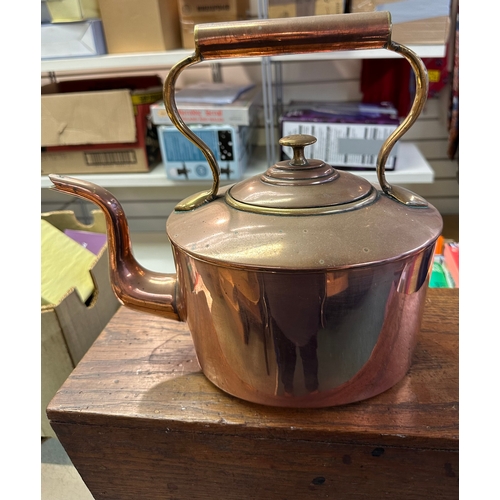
<point>422,88</point>
<point>268,37</point>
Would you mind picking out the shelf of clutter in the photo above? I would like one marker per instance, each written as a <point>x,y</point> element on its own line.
<point>412,168</point>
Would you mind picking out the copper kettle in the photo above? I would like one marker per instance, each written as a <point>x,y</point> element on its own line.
<point>303,286</point>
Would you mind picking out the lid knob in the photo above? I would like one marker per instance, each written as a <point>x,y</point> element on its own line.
<point>298,142</point>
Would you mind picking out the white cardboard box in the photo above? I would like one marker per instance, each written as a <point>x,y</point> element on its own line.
<point>185,161</point>
<point>78,39</point>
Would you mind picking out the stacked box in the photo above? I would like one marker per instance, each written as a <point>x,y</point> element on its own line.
<point>69,11</point>
<point>349,135</point>
<point>99,125</point>
<point>145,26</point>
<point>193,12</point>
<point>413,22</point>
<point>298,8</point>
<point>184,161</point>
<point>75,39</point>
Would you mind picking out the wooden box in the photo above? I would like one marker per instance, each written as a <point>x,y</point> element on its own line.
<point>139,420</point>
<point>70,328</point>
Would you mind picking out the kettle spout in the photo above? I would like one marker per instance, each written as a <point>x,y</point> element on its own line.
<point>134,286</point>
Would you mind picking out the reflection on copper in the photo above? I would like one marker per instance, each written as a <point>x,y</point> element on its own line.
<point>306,339</point>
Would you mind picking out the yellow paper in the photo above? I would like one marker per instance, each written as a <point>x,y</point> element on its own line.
<point>65,265</point>
<point>65,11</point>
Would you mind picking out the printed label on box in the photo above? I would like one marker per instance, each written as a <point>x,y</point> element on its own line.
<point>185,161</point>
<point>344,145</point>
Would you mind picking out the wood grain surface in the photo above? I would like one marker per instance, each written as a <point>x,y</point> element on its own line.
<point>139,420</point>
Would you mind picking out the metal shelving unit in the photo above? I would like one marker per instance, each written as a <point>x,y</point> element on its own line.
<point>411,167</point>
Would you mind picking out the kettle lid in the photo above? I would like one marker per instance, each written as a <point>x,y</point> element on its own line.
<point>303,215</point>
<point>301,186</point>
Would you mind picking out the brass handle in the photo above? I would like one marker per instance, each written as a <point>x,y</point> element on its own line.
<point>268,37</point>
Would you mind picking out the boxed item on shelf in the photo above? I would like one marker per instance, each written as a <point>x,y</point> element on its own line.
<point>413,21</point>
<point>68,11</point>
<point>145,26</point>
<point>138,156</point>
<point>349,135</point>
<point>440,276</point>
<point>94,111</point>
<point>192,12</point>
<point>78,39</point>
<point>451,251</point>
<point>45,13</point>
<point>242,111</point>
<point>70,326</point>
<point>297,8</point>
<point>185,161</point>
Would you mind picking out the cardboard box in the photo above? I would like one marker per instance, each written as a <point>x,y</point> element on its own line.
<point>140,26</point>
<point>298,8</point>
<point>193,12</point>
<point>349,135</point>
<point>207,9</point>
<point>78,39</point>
<point>70,327</point>
<point>45,13</point>
<point>94,111</point>
<point>413,22</point>
<point>185,161</point>
<point>68,11</point>
<point>242,111</point>
<point>139,156</point>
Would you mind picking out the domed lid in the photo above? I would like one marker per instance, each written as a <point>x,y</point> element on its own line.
<point>301,186</point>
<point>304,215</point>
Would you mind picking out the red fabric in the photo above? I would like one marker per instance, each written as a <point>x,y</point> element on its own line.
<point>387,80</point>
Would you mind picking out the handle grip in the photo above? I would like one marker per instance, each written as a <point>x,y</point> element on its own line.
<point>269,37</point>
<point>296,35</point>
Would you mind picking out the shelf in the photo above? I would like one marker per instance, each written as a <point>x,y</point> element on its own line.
<point>411,168</point>
<point>420,50</point>
<point>169,58</point>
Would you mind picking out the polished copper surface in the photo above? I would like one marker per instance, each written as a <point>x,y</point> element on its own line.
<point>268,37</point>
<point>302,287</point>
<point>305,339</point>
<point>316,185</point>
<point>296,337</point>
<point>380,231</point>
<point>133,285</point>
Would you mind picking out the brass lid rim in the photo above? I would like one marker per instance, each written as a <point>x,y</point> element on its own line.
<point>368,199</point>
